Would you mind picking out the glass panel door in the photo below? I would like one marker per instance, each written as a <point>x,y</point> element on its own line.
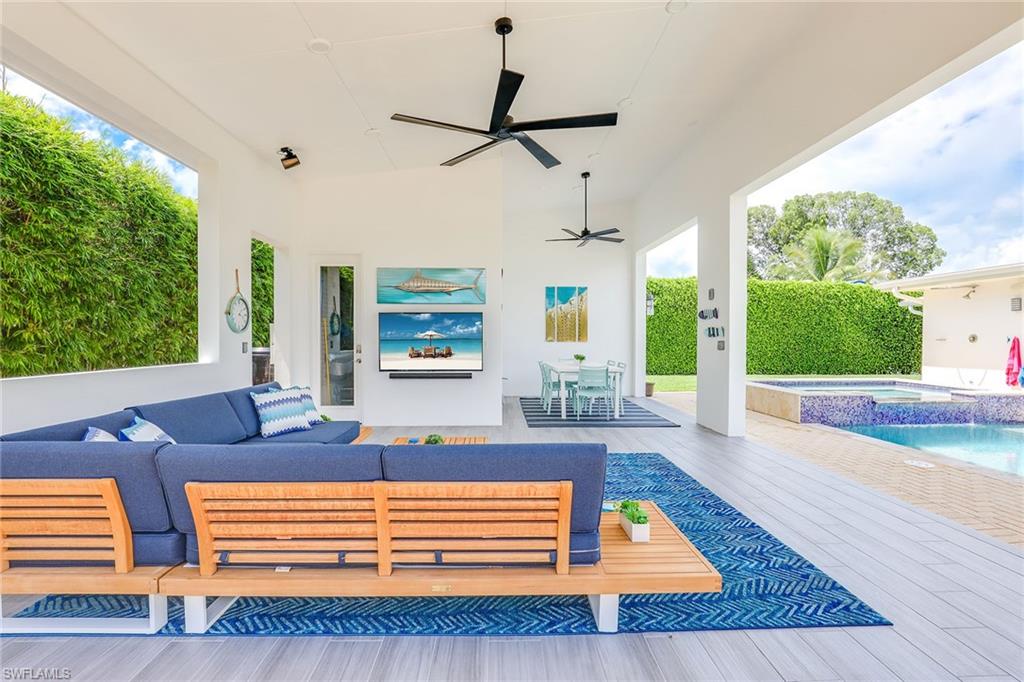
<point>339,352</point>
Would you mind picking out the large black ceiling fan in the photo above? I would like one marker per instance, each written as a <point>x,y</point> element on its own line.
<point>586,236</point>
<point>502,127</point>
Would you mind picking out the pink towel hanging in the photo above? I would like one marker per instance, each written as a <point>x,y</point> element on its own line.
<point>1013,364</point>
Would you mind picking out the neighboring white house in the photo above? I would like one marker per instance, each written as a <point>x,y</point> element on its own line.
<point>970,317</point>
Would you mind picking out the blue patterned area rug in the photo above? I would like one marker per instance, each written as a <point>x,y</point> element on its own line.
<point>765,585</point>
<point>632,416</point>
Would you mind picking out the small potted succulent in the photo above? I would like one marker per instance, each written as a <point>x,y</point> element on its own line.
<point>434,439</point>
<point>634,521</point>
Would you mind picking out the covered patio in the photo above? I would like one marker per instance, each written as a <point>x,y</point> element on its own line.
<point>412,305</point>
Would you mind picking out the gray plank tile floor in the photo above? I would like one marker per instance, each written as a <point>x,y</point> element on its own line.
<point>955,596</point>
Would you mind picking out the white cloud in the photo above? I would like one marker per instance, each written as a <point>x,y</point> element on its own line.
<point>954,160</point>
<point>675,258</point>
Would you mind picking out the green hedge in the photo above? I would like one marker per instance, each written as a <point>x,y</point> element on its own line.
<point>98,254</point>
<point>792,328</point>
<point>262,292</point>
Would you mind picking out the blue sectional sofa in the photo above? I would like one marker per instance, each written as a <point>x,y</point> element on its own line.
<point>151,476</point>
<point>222,420</point>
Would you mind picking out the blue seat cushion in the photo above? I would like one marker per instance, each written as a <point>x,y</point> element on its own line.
<point>201,419</point>
<point>148,549</point>
<point>327,432</point>
<point>284,462</point>
<point>582,463</point>
<point>132,465</point>
<point>241,402</point>
<point>74,430</point>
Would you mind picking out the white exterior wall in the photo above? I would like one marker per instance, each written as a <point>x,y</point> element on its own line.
<point>949,357</point>
<point>433,217</point>
<point>239,193</point>
<point>530,264</point>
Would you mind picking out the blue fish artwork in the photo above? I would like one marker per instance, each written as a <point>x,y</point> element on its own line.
<point>432,285</point>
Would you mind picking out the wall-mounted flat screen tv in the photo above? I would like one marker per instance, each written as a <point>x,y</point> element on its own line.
<point>440,342</point>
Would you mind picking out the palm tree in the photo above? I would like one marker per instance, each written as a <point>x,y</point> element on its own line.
<point>823,255</point>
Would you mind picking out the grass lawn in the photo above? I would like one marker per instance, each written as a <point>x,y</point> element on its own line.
<point>668,383</point>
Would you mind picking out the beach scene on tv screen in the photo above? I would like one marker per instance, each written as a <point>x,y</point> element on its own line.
<point>424,341</point>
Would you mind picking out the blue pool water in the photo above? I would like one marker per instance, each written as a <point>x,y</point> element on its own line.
<point>996,446</point>
<point>878,391</point>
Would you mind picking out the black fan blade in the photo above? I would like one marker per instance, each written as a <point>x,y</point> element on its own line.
<point>590,121</point>
<point>583,242</point>
<point>472,152</point>
<point>508,86</point>
<point>617,240</point>
<point>611,230</point>
<point>438,124</point>
<point>565,229</point>
<point>539,153</point>
<point>562,240</point>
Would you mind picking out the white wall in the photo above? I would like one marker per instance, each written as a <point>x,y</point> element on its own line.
<point>432,217</point>
<point>239,193</point>
<point>531,264</point>
<point>948,356</point>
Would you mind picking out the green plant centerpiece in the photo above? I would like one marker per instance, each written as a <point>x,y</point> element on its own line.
<point>434,439</point>
<point>634,521</point>
<point>579,357</point>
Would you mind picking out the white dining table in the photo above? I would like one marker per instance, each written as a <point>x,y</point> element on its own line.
<point>567,371</point>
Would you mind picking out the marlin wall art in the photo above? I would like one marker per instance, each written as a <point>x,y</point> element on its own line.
<point>431,285</point>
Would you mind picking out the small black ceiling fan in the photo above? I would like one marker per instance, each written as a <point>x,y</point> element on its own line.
<point>586,236</point>
<point>502,128</point>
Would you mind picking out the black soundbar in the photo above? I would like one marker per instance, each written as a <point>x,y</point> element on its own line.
<point>430,375</point>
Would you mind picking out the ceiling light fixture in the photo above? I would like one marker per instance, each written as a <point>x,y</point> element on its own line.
<point>288,158</point>
<point>593,155</point>
<point>625,102</point>
<point>319,46</point>
<point>372,131</point>
<point>675,6</point>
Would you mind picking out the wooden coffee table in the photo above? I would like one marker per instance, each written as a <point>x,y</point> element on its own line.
<point>448,440</point>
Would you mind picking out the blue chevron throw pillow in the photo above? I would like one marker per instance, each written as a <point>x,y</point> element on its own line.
<point>280,412</point>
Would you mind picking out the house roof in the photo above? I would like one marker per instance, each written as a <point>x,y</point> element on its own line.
<point>961,278</point>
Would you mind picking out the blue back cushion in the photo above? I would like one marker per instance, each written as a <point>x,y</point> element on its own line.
<point>112,423</point>
<point>133,465</point>
<point>207,419</point>
<point>581,463</point>
<point>180,464</point>
<point>241,402</point>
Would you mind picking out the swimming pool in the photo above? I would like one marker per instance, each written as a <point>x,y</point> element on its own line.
<point>996,446</point>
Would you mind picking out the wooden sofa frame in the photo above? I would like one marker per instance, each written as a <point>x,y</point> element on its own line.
<point>71,520</point>
<point>388,538</point>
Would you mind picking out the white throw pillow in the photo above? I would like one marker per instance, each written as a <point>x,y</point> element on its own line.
<point>143,431</point>
<point>94,435</point>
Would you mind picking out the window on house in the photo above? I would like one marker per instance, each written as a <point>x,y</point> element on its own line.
<point>99,250</point>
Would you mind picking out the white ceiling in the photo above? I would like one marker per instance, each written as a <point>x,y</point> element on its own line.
<point>246,66</point>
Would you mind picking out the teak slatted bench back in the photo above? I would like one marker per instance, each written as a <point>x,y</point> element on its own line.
<point>72,520</point>
<point>381,522</point>
<point>64,520</point>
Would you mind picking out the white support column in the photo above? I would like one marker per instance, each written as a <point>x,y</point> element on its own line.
<point>606,611</point>
<point>722,267</point>
<point>199,617</point>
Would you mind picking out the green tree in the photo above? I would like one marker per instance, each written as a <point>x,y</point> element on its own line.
<point>894,247</point>
<point>822,255</point>
<point>98,253</point>
<point>262,259</point>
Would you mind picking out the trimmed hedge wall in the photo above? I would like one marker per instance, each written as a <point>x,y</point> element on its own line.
<point>98,254</point>
<point>262,292</point>
<point>792,328</point>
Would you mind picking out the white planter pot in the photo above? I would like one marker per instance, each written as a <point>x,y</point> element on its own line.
<point>637,532</point>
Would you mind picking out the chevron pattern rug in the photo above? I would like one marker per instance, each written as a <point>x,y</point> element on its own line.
<point>765,585</point>
<point>632,416</point>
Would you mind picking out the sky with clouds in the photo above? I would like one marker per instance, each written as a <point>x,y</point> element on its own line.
<point>182,178</point>
<point>954,160</point>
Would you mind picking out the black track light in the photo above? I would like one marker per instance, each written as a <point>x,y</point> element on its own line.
<point>288,158</point>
